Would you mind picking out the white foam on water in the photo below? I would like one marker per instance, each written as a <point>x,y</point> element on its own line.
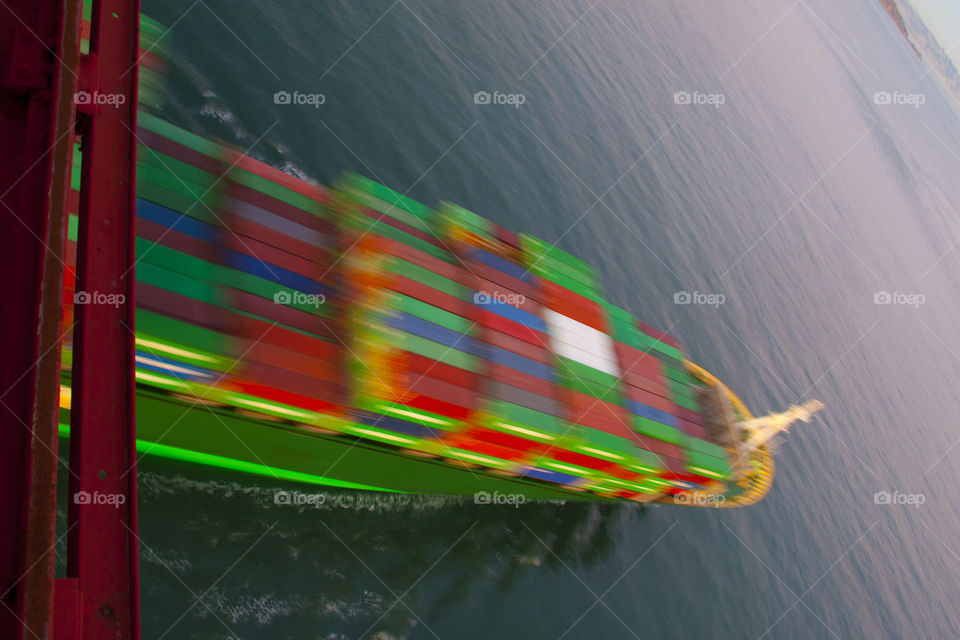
<point>153,485</point>
<point>246,607</point>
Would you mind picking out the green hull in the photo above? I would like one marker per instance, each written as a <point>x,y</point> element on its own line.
<point>222,437</point>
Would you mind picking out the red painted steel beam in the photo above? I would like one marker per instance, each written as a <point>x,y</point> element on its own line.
<point>102,514</point>
<point>38,58</point>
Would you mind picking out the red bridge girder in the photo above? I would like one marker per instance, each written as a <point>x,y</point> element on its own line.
<point>41,70</point>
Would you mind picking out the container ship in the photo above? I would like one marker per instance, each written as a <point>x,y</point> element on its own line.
<point>349,336</point>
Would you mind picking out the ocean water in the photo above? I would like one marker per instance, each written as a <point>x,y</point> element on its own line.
<point>784,186</point>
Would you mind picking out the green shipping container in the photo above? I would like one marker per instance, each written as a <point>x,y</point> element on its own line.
<point>524,416</point>
<point>463,217</point>
<point>535,246</point>
<point>433,314</point>
<point>706,448</point>
<point>439,352</point>
<point>658,430</point>
<point>428,278</point>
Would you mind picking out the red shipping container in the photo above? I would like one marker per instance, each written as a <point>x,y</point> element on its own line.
<point>278,207</point>
<point>254,166</point>
<point>152,61</point>
<point>433,388</point>
<point>694,430</point>
<point>174,305</point>
<point>284,397</point>
<point>431,296</point>
<point>556,292</point>
<point>426,403</point>
<point>655,386</point>
<point>506,236</point>
<point>657,334</point>
<point>504,439</point>
<point>276,257</point>
<point>583,402</point>
<point>516,345</point>
<point>419,365</point>
<point>516,299</point>
<point>626,474</point>
<point>637,394</point>
<point>580,459</point>
<point>167,237</point>
<point>166,146</point>
<point>250,303</point>
<point>660,447</point>
<point>269,354</point>
<point>498,277</point>
<point>600,422</point>
<point>294,382</point>
<point>453,272</point>
<point>493,321</point>
<point>689,415</point>
<point>253,330</point>
<point>574,312</point>
<point>520,380</point>
<point>71,259</point>
<point>73,201</point>
<point>675,465</point>
<point>487,449</point>
<point>637,360</point>
<point>686,476</point>
<point>249,229</point>
<point>651,400</point>
<point>376,218</point>
<point>516,395</point>
<point>645,372</point>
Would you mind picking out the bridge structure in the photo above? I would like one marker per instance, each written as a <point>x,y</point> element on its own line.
<point>48,99</point>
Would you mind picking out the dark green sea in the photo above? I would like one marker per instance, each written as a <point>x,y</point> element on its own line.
<point>741,148</point>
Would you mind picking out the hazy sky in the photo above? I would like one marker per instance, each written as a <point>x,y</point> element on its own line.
<point>943,19</point>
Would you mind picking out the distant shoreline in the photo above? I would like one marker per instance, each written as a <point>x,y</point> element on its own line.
<point>923,43</point>
<point>894,11</point>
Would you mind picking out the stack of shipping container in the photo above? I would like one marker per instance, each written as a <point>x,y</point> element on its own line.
<point>234,263</point>
<point>362,312</point>
<point>520,416</point>
<point>669,410</point>
<point>233,270</point>
<point>414,356</point>
<point>599,443</point>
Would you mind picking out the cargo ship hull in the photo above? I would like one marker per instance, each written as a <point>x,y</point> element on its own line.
<point>351,336</point>
<point>219,436</point>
